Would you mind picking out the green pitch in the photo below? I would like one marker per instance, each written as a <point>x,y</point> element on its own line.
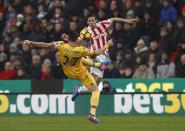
<point>80,123</point>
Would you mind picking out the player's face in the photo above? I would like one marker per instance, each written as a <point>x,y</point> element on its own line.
<point>91,21</point>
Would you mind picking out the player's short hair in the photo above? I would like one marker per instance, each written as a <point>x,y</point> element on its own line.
<point>73,37</point>
<point>91,15</point>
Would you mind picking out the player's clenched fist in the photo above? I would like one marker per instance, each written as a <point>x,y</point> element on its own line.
<point>132,21</point>
<point>65,37</point>
<point>26,42</point>
<point>110,42</point>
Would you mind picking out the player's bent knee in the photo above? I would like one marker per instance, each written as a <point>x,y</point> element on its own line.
<point>94,87</point>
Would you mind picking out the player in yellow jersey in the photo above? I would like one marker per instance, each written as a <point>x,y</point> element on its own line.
<point>71,59</point>
<point>87,62</point>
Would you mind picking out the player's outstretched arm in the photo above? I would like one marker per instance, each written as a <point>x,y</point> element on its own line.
<point>104,48</point>
<point>130,21</point>
<point>34,44</point>
<point>90,63</point>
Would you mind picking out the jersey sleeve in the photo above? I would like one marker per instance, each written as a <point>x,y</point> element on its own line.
<point>106,23</point>
<point>57,44</point>
<point>87,52</point>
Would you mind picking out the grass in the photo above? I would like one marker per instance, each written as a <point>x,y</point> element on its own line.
<point>80,123</point>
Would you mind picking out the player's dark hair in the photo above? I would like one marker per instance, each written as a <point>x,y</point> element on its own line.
<point>91,15</point>
<point>73,37</point>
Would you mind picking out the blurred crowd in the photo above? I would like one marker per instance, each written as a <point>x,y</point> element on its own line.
<point>154,47</point>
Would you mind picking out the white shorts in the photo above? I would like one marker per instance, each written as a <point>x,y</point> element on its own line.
<point>96,71</point>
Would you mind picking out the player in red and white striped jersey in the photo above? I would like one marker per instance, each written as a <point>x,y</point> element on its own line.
<point>100,33</point>
<point>102,30</point>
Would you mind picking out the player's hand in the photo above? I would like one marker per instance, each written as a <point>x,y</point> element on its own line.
<point>131,21</point>
<point>65,37</point>
<point>110,43</point>
<point>26,43</point>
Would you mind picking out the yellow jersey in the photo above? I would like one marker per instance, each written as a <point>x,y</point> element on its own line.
<point>71,61</point>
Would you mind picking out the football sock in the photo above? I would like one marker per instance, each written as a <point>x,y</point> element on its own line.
<point>94,101</point>
<point>82,89</point>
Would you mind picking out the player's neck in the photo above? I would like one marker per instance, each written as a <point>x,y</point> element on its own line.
<point>73,44</point>
<point>92,28</point>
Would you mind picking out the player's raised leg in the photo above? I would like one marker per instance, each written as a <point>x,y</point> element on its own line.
<point>94,103</point>
<point>77,90</point>
<point>88,81</point>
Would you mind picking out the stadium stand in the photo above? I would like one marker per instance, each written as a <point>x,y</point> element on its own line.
<point>154,47</point>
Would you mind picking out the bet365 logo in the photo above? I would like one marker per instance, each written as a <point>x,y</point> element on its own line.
<point>169,103</point>
<point>153,87</point>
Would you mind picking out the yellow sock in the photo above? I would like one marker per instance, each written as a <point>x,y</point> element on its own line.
<point>87,62</point>
<point>94,101</point>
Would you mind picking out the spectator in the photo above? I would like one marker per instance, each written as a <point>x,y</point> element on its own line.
<point>20,22</point>
<point>170,28</point>
<point>129,36</point>
<point>102,4</point>
<point>125,72</point>
<point>166,40</point>
<point>180,52</point>
<point>21,74</point>
<point>168,12</point>
<point>149,27</point>
<point>183,12</point>
<point>49,32</point>
<point>107,88</point>
<point>119,59</point>
<point>111,72</point>
<point>138,60</point>
<point>83,20</point>
<point>46,72</point>
<point>13,57</point>
<point>153,8</point>
<point>101,15</point>
<point>43,54</point>
<point>152,62</point>
<point>35,67</point>
<point>26,55</point>
<point>3,59</point>
<point>8,73</point>
<point>118,31</point>
<point>2,23</point>
<point>18,5</point>
<point>141,49</point>
<point>115,9</point>
<point>13,48</point>
<point>180,68</point>
<point>57,17</point>
<point>59,29</point>
<point>73,27</point>
<point>57,67</point>
<point>120,46</point>
<point>143,71</point>
<point>2,7</point>
<point>2,48</point>
<point>155,49</point>
<point>165,68</point>
<point>25,35</point>
<point>47,61</point>
<point>18,63</point>
<point>179,31</point>
<point>129,59</point>
<point>139,8</point>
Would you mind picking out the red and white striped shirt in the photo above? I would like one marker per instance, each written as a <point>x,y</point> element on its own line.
<point>100,34</point>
